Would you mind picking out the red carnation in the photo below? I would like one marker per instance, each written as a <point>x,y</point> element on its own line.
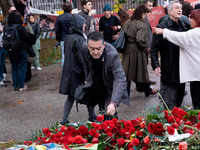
<point>78,139</point>
<point>130,146</point>
<point>146,140</point>
<point>100,118</point>
<point>127,124</point>
<point>145,148</point>
<point>95,140</point>
<point>199,115</point>
<point>63,128</point>
<point>139,133</point>
<point>120,142</point>
<point>94,133</point>
<point>198,126</point>
<point>83,130</point>
<point>170,119</point>
<point>59,135</point>
<point>135,122</point>
<point>135,141</point>
<point>132,130</point>
<point>159,127</point>
<point>142,124</point>
<point>188,123</point>
<point>151,127</point>
<point>46,130</point>
<point>170,130</point>
<point>109,134</point>
<point>175,125</point>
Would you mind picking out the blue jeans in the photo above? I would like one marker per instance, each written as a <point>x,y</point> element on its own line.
<point>3,54</point>
<point>19,67</point>
<point>63,52</point>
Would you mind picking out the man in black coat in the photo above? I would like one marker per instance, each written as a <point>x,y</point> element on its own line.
<point>104,74</point>
<point>169,72</point>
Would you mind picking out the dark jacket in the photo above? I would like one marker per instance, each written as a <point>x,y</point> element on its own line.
<point>88,20</point>
<point>14,18</point>
<point>62,26</point>
<point>36,29</point>
<point>113,74</point>
<point>73,73</point>
<point>169,52</point>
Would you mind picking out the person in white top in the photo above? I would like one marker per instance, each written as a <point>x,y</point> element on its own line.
<point>189,62</point>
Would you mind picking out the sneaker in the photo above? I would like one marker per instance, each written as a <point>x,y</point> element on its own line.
<point>24,88</point>
<point>2,84</point>
<point>38,68</point>
<point>32,67</point>
<point>5,80</point>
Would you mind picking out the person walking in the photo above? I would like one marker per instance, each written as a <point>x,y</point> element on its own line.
<point>169,71</point>
<point>134,60</point>
<point>86,12</point>
<point>73,72</point>
<point>189,54</point>
<point>36,47</point>
<point>62,26</point>
<point>18,58</point>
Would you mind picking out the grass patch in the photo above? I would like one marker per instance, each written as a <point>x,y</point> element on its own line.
<point>48,54</point>
<point>9,144</point>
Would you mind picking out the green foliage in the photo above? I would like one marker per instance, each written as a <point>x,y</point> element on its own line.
<point>48,54</point>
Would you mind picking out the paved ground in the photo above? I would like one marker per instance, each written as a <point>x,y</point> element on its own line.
<point>40,106</point>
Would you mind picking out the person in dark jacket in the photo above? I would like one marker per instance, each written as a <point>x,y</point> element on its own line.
<point>62,26</point>
<point>20,6</point>
<point>109,25</point>
<point>73,72</point>
<point>86,12</point>
<point>18,59</point>
<point>169,72</point>
<point>104,74</point>
<point>36,46</point>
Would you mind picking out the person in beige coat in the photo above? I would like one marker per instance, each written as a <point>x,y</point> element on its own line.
<point>134,60</point>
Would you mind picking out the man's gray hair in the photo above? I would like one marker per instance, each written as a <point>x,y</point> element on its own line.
<point>171,3</point>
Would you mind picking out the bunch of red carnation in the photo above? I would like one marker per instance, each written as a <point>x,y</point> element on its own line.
<point>114,134</point>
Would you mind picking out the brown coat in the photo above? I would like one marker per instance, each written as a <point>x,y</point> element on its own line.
<point>134,60</point>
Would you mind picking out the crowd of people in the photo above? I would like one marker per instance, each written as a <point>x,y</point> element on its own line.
<point>89,57</point>
<point>20,39</point>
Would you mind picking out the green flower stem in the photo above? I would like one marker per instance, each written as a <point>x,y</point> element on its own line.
<point>169,110</point>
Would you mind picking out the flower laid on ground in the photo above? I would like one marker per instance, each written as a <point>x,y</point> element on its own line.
<point>168,130</point>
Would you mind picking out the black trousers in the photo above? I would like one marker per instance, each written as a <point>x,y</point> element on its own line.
<point>173,94</point>
<point>28,73</point>
<point>141,87</point>
<point>195,94</point>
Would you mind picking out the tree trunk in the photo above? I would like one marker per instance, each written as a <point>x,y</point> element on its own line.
<point>5,6</point>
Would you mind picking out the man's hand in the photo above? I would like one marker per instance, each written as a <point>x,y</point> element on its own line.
<point>111,110</point>
<point>90,13</point>
<point>158,72</point>
<point>148,50</point>
<point>114,37</point>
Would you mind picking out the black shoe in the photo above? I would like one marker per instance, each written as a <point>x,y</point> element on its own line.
<point>154,91</point>
<point>16,89</point>
<point>64,122</point>
<point>26,81</point>
<point>93,119</point>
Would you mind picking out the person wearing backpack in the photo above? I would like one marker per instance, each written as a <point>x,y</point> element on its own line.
<point>18,57</point>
